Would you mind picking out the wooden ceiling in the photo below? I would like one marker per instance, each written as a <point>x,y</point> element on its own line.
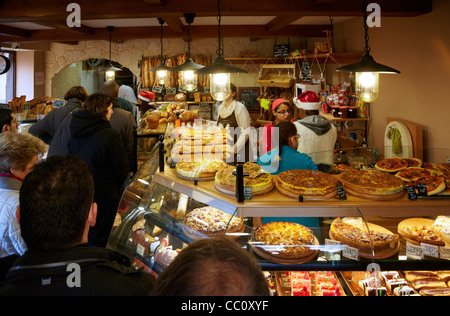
<point>46,20</point>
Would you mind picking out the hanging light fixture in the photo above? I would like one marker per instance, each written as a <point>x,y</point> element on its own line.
<point>219,71</point>
<point>367,70</point>
<point>189,78</point>
<point>161,69</point>
<point>110,70</point>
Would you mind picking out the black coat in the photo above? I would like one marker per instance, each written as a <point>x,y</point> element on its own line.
<point>94,141</point>
<point>102,272</point>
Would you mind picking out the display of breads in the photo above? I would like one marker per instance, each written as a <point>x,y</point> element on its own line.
<point>32,109</point>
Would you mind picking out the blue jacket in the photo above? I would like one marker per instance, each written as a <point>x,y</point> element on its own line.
<point>289,159</point>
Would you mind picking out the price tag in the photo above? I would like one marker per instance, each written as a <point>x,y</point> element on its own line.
<point>411,190</point>
<point>140,250</point>
<point>422,189</point>
<point>171,90</point>
<point>430,250</point>
<point>341,192</point>
<point>351,253</point>
<point>247,193</point>
<point>413,251</point>
<point>444,252</point>
<point>332,250</point>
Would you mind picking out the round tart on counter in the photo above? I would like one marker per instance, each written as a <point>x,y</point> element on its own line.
<point>202,170</point>
<point>372,184</point>
<point>353,232</point>
<point>391,164</point>
<point>311,184</point>
<point>210,222</point>
<point>261,182</point>
<point>284,242</point>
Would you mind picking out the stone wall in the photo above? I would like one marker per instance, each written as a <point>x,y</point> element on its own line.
<point>129,53</point>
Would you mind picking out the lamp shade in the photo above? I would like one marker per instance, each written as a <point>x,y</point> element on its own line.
<point>187,65</point>
<point>219,65</point>
<point>368,64</point>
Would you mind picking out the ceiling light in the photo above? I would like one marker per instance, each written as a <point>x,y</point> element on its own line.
<point>367,70</point>
<point>219,70</point>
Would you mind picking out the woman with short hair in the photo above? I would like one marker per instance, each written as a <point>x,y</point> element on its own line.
<point>19,153</point>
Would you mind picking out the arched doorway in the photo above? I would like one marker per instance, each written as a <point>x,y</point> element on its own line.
<point>89,74</point>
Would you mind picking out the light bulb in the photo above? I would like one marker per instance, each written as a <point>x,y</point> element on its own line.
<point>189,80</point>
<point>110,75</point>
<point>161,76</point>
<point>220,86</point>
<point>367,86</point>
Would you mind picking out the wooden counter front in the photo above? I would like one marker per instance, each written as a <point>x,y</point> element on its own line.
<point>277,204</point>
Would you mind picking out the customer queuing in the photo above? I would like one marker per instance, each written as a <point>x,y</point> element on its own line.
<point>46,128</point>
<point>93,140</point>
<point>8,121</point>
<point>18,155</point>
<point>122,121</point>
<point>59,260</point>
<point>214,266</point>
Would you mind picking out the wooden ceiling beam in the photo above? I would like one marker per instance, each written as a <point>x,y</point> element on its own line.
<point>20,10</point>
<point>13,31</point>
<point>126,33</point>
<point>280,22</point>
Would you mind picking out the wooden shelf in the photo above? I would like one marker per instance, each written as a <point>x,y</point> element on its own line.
<point>330,117</point>
<point>275,203</point>
<point>332,58</point>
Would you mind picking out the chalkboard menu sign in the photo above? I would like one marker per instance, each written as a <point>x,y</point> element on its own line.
<point>281,50</point>
<point>306,71</point>
<point>248,96</point>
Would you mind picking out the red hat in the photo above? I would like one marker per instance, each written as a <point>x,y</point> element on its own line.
<point>308,100</point>
<point>277,102</point>
<point>147,96</point>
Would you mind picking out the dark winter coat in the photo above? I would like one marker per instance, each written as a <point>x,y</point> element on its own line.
<point>101,272</point>
<point>94,141</point>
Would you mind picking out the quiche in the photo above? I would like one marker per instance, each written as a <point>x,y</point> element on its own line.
<point>372,184</point>
<point>284,240</point>
<point>351,231</point>
<point>307,183</point>
<point>201,170</point>
<point>260,182</point>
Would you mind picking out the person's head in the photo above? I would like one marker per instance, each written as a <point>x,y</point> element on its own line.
<point>145,99</point>
<point>233,93</point>
<point>8,121</point>
<point>56,204</point>
<point>99,104</point>
<point>76,92</point>
<point>212,267</point>
<point>281,111</point>
<point>288,135</point>
<point>19,153</point>
<point>110,88</point>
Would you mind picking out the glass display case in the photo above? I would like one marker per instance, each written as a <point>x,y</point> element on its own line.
<point>343,235</point>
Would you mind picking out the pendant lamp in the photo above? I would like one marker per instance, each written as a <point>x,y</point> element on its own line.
<point>189,78</point>
<point>161,69</point>
<point>110,70</point>
<point>367,70</point>
<point>219,71</point>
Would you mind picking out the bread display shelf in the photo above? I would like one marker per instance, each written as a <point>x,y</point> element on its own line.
<point>264,205</point>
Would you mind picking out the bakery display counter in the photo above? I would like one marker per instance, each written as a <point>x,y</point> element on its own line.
<point>265,205</point>
<point>163,211</point>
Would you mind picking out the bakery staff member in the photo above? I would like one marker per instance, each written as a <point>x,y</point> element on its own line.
<point>281,110</point>
<point>146,103</point>
<point>233,113</point>
<point>317,135</point>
